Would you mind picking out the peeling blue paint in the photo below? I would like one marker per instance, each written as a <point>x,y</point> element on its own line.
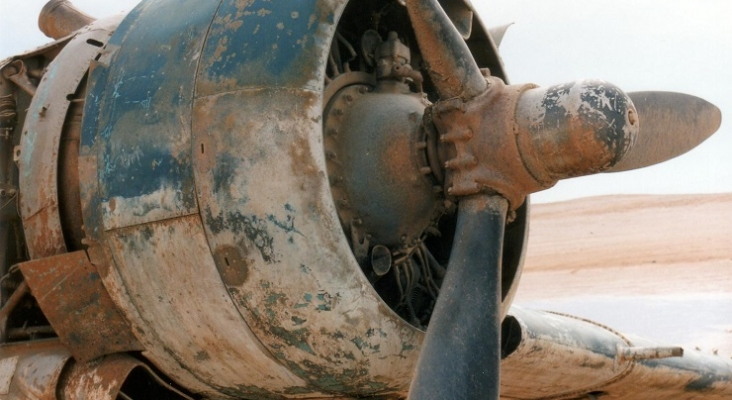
<point>138,114</point>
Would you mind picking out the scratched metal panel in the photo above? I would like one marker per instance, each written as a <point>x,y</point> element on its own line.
<point>270,220</point>
<point>42,136</point>
<point>184,315</point>
<point>261,43</point>
<point>142,130</point>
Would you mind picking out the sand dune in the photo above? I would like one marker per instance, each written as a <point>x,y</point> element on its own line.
<point>630,230</point>
<point>659,266</point>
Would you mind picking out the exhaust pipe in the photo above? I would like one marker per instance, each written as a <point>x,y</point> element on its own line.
<point>59,18</point>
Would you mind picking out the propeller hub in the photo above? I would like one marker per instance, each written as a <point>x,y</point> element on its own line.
<point>520,139</point>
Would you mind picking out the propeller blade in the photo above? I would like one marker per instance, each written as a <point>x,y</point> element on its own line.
<point>460,357</point>
<point>670,125</point>
<point>498,32</point>
<point>449,61</point>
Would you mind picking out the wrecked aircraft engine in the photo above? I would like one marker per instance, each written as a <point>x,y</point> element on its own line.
<point>311,199</point>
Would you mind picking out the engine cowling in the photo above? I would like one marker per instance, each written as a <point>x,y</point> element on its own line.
<point>206,201</point>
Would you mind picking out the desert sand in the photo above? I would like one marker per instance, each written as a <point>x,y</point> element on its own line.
<point>655,266</point>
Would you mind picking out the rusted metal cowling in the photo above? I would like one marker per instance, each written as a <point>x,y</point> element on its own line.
<point>208,211</point>
<point>60,18</point>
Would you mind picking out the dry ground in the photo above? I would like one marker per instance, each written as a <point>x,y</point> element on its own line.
<point>659,266</point>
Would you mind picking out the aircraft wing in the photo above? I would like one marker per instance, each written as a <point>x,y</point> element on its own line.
<point>557,356</point>
<point>652,265</point>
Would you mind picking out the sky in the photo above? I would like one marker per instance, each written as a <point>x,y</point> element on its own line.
<point>671,45</point>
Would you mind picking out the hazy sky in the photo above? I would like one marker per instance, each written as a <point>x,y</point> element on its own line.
<point>676,45</point>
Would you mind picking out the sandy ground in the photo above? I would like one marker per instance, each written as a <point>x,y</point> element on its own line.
<point>656,266</point>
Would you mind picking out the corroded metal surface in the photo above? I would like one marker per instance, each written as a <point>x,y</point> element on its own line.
<point>44,370</point>
<point>135,171</point>
<point>70,293</point>
<point>372,137</point>
<point>17,72</point>
<point>9,306</point>
<point>519,139</point>
<point>101,379</point>
<point>538,345</point>
<point>574,129</point>
<point>104,379</point>
<point>298,285</point>
<point>60,18</point>
<point>139,119</point>
<point>31,370</point>
<point>288,273</point>
<point>209,215</point>
<point>449,60</point>
<point>39,202</point>
<point>185,315</point>
<point>550,356</point>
